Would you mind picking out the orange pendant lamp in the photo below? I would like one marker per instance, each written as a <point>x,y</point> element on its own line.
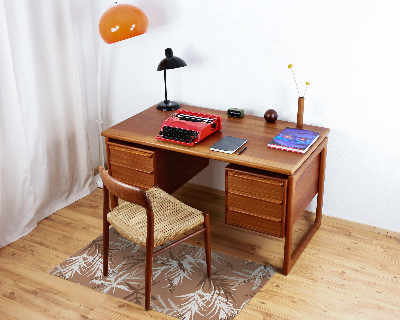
<point>122,21</point>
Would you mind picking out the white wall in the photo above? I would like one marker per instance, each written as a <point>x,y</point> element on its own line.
<point>237,54</point>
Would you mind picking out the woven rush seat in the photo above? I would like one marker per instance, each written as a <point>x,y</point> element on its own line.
<point>171,218</point>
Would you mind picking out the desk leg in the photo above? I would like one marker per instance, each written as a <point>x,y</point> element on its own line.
<point>289,259</point>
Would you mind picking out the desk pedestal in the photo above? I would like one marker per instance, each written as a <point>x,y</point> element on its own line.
<point>271,203</point>
<point>145,167</point>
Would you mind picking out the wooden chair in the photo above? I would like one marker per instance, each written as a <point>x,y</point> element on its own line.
<point>149,219</point>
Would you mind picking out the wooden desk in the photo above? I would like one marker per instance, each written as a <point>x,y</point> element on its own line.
<point>135,156</point>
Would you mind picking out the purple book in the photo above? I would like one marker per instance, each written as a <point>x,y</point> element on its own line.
<point>294,140</point>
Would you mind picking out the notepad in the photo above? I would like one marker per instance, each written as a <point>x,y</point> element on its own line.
<point>228,144</point>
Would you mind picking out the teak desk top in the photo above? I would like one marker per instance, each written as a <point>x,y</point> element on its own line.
<point>144,126</point>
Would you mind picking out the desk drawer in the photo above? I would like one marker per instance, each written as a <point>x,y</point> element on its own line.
<point>268,208</point>
<point>250,220</point>
<point>130,157</point>
<point>255,199</point>
<point>260,185</point>
<point>133,177</point>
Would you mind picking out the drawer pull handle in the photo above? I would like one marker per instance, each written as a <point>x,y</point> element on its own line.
<point>256,215</point>
<point>140,153</point>
<point>276,183</point>
<point>253,197</point>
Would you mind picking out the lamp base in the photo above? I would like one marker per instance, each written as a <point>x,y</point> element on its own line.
<point>168,105</point>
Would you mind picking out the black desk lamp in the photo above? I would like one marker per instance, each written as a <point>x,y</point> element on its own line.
<point>169,62</point>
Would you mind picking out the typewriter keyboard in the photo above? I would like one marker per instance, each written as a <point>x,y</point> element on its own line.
<point>191,118</point>
<point>178,134</point>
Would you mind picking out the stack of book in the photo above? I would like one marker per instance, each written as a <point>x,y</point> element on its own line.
<point>294,140</point>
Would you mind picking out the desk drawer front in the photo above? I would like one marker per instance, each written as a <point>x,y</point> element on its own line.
<point>246,220</point>
<point>267,208</point>
<point>263,187</point>
<point>134,158</point>
<point>133,177</point>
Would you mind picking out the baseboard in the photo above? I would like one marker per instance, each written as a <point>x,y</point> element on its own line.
<point>344,222</point>
<point>362,226</point>
<point>98,181</point>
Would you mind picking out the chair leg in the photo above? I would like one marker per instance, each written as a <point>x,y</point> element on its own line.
<point>106,228</point>
<point>207,242</point>
<point>106,245</point>
<point>148,275</point>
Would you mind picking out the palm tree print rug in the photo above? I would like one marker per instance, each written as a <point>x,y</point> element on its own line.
<point>180,286</point>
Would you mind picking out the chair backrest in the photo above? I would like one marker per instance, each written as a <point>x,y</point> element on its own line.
<point>124,191</point>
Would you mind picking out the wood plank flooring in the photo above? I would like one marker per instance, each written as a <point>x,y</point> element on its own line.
<point>346,272</point>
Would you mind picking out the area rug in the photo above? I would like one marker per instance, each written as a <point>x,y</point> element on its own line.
<point>180,286</point>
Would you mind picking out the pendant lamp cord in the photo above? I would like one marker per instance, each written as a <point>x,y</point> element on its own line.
<point>99,119</point>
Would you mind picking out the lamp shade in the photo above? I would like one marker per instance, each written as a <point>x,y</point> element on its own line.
<point>122,21</point>
<point>170,61</point>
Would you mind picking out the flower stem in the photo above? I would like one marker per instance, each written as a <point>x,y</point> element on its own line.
<point>295,82</point>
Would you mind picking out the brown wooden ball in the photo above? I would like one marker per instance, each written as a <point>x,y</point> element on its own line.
<point>270,115</point>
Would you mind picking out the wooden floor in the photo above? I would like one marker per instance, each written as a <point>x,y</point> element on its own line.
<point>344,273</point>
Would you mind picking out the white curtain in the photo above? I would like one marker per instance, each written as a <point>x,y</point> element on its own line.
<point>45,159</point>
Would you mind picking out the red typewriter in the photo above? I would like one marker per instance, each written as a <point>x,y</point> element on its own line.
<point>189,127</point>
